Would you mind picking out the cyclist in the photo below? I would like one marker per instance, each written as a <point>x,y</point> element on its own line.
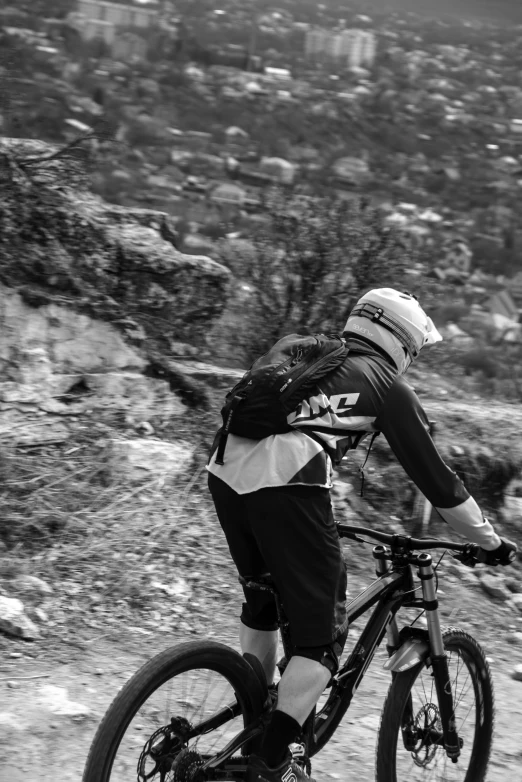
<point>272,499</point>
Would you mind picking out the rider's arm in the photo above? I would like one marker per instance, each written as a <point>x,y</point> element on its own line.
<point>405,425</point>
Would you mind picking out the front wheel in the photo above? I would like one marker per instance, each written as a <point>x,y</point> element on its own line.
<point>175,714</point>
<point>409,747</point>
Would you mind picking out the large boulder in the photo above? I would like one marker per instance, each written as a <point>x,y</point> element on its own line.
<point>56,361</point>
<point>37,342</point>
<point>61,244</point>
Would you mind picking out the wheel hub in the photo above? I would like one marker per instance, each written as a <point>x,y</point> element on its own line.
<point>427,732</point>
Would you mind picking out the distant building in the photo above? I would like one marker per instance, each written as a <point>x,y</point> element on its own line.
<point>233,133</point>
<point>106,20</point>
<point>278,74</point>
<point>279,169</point>
<point>356,47</point>
<point>128,46</point>
<point>351,170</point>
<point>193,140</point>
<point>317,41</point>
<point>360,47</point>
<point>228,194</point>
<point>117,14</point>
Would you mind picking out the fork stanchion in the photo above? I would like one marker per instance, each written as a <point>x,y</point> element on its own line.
<point>439,659</point>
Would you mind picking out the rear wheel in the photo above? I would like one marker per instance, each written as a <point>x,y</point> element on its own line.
<point>178,711</point>
<point>409,747</point>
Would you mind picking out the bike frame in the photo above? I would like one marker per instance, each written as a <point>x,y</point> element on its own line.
<point>393,589</point>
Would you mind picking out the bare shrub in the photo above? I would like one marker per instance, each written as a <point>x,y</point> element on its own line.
<point>307,266</point>
<point>452,312</point>
<point>480,359</point>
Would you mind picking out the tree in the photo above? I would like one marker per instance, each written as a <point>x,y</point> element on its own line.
<point>310,264</point>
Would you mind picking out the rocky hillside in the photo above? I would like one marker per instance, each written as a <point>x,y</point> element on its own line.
<point>59,243</point>
<point>92,299</point>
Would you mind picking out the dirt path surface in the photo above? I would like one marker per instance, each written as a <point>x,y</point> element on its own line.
<point>53,694</point>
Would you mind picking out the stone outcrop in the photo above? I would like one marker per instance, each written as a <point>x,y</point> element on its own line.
<point>57,362</point>
<point>89,292</point>
<point>61,245</point>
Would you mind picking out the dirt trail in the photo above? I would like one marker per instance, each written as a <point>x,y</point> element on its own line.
<point>45,732</point>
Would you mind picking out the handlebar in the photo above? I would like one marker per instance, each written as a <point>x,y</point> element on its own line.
<point>403,541</point>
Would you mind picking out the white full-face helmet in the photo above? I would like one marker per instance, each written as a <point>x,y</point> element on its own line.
<point>395,322</point>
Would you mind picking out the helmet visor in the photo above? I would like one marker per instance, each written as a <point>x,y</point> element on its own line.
<point>432,335</point>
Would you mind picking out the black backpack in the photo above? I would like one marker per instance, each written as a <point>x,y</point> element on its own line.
<point>274,385</point>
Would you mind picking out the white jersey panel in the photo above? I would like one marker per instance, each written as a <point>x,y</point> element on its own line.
<point>467,520</point>
<point>274,461</point>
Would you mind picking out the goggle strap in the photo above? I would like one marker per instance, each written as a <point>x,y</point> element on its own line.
<point>377,314</point>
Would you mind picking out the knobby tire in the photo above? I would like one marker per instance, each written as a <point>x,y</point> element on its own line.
<point>177,660</point>
<point>390,746</point>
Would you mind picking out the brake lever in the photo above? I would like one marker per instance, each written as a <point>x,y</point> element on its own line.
<point>470,556</point>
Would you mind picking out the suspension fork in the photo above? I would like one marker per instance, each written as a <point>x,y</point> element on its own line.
<point>439,658</point>
<point>392,630</point>
<point>393,642</point>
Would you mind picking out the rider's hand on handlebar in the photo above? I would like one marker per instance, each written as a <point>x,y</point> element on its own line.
<point>505,554</point>
<point>470,555</point>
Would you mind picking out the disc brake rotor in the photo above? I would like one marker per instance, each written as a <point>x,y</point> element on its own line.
<point>162,749</point>
<point>427,724</point>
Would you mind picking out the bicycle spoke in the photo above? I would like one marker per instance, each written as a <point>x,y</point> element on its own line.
<point>193,697</point>
<point>428,760</point>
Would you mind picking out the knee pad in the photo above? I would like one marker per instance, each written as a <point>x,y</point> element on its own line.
<point>260,612</point>
<point>326,654</point>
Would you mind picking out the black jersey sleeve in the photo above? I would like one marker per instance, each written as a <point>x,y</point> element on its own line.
<point>404,423</point>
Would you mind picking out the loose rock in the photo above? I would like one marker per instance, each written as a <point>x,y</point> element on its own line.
<point>514,638</point>
<point>13,619</point>
<point>516,600</point>
<point>514,585</point>
<point>342,489</point>
<point>145,427</point>
<point>495,587</point>
<point>26,583</point>
<point>39,615</point>
<point>516,674</point>
<point>56,700</point>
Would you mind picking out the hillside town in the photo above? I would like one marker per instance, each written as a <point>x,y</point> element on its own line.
<point>207,113</point>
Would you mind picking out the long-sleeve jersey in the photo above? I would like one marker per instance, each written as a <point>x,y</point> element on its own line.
<point>364,395</point>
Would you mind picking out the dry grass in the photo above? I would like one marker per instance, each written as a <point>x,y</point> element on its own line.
<point>67,519</point>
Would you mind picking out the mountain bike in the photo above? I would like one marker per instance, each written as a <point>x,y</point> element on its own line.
<point>197,710</point>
